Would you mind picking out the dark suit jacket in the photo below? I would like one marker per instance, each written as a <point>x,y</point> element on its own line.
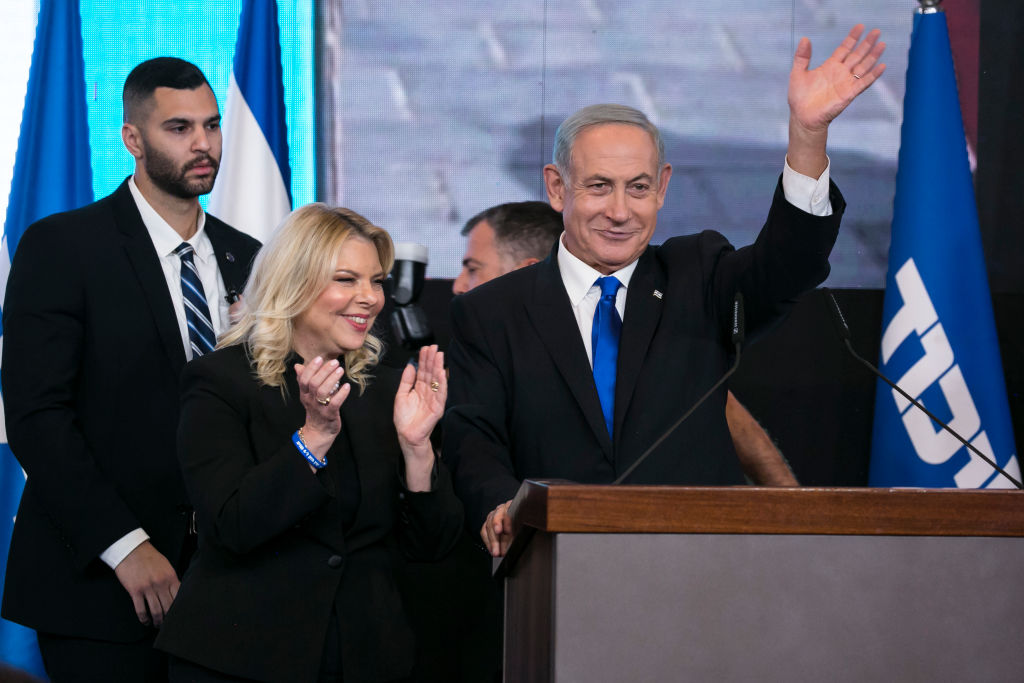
<point>273,554</point>
<point>92,355</point>
<point>522,402</point>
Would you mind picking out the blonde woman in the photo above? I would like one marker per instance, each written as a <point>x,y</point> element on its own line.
<point>311,471</point>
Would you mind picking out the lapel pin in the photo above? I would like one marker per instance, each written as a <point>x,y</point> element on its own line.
<point>230,257</point>
<point>657,294</point>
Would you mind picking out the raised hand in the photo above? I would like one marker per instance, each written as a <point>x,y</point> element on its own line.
<point>817,96</point>
<point>419,404</point>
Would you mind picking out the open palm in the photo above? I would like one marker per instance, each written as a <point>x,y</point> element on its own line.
<point>419,403</point>
<point>817,96</point>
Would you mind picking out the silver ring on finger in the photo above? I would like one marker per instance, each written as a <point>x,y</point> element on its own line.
<point>855,76</point>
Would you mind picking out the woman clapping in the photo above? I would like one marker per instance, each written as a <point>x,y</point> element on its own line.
<point>310,469</point>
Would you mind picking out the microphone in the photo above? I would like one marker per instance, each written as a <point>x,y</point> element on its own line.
<point>738,336</point>
<point>408,321</point>
<point>844,333</point>
<point>409,272</point>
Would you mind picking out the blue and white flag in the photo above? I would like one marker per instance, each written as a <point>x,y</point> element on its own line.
<point>52,173</point>
<point>939,336</point>
<point>253,188</point>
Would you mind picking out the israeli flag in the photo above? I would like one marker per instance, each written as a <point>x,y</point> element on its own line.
<point>52,173</point>
<point>939,334</point>
<point>253,188</point>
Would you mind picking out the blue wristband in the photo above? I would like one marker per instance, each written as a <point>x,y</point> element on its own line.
<point>306,453</point>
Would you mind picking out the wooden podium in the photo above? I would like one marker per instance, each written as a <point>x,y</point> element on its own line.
<point>651,583</point>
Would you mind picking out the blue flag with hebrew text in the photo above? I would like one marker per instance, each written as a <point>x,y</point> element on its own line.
<point>938,331</point>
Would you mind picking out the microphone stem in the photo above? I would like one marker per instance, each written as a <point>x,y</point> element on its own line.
<point>936,420</point>
<point>678,422</point>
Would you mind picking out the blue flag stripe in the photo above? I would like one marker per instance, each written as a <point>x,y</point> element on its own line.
<point>260,78</point>
<point>52,173</point>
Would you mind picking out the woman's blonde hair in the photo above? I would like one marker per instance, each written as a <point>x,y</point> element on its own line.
<point>290,272</point>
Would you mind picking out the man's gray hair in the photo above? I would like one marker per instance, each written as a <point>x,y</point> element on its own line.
<point>597,114</point>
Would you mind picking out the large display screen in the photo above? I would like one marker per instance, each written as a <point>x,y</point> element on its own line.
<point>439,110</point>
<point>447,108</point>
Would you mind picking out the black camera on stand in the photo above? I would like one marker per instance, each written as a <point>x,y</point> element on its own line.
<point>409,323</point>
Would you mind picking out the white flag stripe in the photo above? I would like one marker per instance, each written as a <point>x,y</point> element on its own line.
<point>249,193</point>
<point>5,268</point>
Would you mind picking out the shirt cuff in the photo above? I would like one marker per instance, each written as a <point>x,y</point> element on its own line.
<point>806,193</point>
<point>120,549</point>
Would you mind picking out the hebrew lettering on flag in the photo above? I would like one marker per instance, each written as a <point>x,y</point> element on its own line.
<point>938,331</point>
<point>916,321</point>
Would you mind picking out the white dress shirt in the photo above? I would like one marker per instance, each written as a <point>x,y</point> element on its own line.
<point>165,241</point>
<point>803,192</point>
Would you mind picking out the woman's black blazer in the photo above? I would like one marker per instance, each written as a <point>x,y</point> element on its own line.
<point>273,555</point>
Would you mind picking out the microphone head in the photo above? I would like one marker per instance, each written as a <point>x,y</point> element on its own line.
<point>409,272</point>
<point>837,314</point>
<point>738,322</point>
<point>411,251</point>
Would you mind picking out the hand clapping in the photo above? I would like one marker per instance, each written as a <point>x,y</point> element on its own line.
<point>321,393</point>
<point>419,405</point>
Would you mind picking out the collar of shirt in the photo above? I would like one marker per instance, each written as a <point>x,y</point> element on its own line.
<point>579,278</point>
<point>165,238</point>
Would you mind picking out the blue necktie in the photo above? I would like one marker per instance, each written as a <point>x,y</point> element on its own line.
<point>604,341</point>
<point>197,313</point>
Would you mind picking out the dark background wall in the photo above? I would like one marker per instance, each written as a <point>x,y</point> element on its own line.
<point>999,179</point>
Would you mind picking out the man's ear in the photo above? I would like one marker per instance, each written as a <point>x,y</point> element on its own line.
<point>132,138</point>
<point>663,177</point>
<point>526,262</point>
<point>555,187</point>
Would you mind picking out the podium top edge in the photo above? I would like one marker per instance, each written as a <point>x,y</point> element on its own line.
<point>562,485</point>
<point>564,507</point>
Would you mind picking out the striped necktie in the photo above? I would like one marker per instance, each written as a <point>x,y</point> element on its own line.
<point>604,341</point>
<point>197,313</point>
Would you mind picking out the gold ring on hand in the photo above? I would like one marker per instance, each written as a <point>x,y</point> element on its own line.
<point>330,394</point>
<point>434,386</point>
